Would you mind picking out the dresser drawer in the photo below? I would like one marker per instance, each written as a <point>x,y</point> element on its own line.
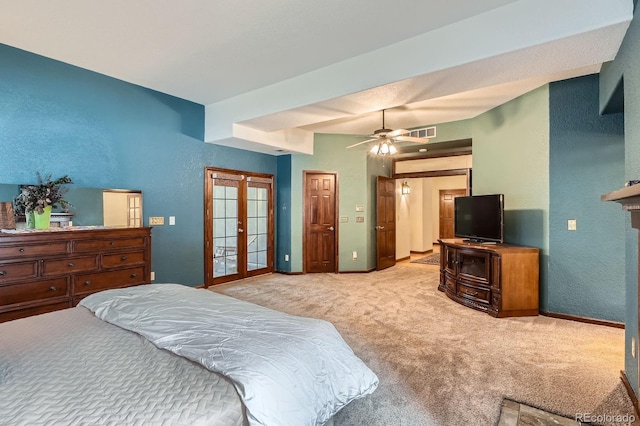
<point>450,284</point>
<point>122,259</point>
<point>107,244</point>
<point>38,290</point>
<point>31,250</point>
<point>18,271</point>
<point>90,283</point>
<point>474,293</point>
<point>66,266</point>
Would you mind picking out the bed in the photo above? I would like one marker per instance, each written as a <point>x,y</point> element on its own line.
<point>168,354</point>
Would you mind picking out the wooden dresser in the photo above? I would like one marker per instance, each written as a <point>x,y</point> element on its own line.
<point>46,271</point>
<point>499,279</point>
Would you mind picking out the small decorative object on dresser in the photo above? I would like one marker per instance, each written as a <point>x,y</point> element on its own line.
<point>499,279</point>
<point>7,217</point>
<point>43,271</point>
<point>38,200</point>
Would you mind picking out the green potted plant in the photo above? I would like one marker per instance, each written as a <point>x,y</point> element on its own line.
<point>37,200</point>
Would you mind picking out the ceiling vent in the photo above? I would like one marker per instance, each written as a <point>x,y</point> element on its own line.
<point>425,132</point>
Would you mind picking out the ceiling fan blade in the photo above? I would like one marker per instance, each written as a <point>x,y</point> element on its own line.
<point>397,132</point>
<point>360,143</point>
<point>411,139</point>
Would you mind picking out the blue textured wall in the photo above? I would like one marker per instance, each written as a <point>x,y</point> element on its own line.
<point>586,159</point>
<point>60,119</point>
<point>627,67</point>
<point>283,213</point>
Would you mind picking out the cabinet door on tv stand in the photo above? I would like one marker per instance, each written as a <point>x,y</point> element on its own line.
<point>450,259</point>
<point>474,265</point>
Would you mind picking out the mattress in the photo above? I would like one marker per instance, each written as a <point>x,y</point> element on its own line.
<point>69,367</point>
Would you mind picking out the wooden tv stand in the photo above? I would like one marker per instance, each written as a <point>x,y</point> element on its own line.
<point>499,279</point>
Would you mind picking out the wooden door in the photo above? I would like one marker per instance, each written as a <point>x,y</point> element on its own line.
<point>320,212</point>
<point>447,211</point>
<point>238,225</point>
<point>385,222</point>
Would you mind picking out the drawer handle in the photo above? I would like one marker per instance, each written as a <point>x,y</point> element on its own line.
<point>3,273</point>
<point>471,293</point>
<point>21,250</point>
<point>53,288</point>
<point>123,258</point>
<point>87,282</point>
<point>134,275</point>
<point>71,265</point>
<point>110,242</point>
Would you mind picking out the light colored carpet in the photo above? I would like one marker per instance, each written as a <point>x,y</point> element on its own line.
<point>440,363</point>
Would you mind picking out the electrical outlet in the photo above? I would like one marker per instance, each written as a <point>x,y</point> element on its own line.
<point>633,347</point>
<point>153,275</point>
<point>355,255</point>
<point>172,220</point>
<point>156,220</point>
<point>572,224</point>
<point>286,257</point>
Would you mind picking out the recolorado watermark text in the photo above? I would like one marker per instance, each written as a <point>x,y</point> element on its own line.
<point>619,419</point>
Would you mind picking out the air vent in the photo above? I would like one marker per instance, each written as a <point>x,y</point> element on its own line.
<point>425,132</point>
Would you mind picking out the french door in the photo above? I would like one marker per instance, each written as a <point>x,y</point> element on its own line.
<point>238,225</point>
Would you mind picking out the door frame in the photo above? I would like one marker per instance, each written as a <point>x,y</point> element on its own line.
<point>208,223</point>
<point>336,247</point>
<point>439,173</point>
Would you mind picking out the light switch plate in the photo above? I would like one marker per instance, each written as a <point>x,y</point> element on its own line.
<point>360,219</point>
<point>172,220</point>
<point>344,219</point>
<point>572,225</point>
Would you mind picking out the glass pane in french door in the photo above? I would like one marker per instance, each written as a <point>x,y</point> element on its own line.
<point>134,204</point>
<point>225,227</point>
<point>257,229</point>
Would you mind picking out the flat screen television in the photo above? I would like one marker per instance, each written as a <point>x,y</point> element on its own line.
<point>479,218</point>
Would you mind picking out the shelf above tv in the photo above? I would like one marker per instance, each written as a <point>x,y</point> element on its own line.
<point>629,198</point>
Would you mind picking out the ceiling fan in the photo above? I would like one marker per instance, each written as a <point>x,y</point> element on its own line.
<point>386,138</point>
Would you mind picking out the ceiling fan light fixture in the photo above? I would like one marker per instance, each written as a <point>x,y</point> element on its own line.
<point>384,147</point>
<point>385,140</point>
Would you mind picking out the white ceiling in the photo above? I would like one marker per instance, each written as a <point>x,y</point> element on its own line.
<point>271,73</point>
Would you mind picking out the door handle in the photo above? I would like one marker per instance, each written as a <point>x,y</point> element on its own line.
<point>380,228</point>
<point>330,228</point>
<point>240,230</point>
